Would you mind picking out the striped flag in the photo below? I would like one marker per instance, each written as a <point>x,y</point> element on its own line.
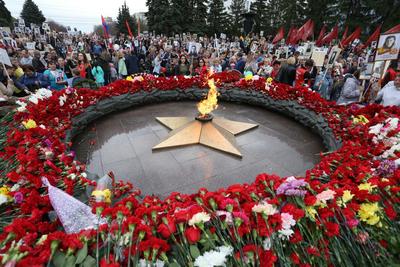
<point>105,28</point>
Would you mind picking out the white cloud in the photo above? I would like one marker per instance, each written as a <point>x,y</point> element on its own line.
<point>82,14</point>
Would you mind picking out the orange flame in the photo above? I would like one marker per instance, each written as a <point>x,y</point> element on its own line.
<point>206,106</point>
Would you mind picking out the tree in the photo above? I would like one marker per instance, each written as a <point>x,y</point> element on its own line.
<point>55,26</point>
<point>123,17</point>
<point>236,10</point>
<point>199,24</point>
<point>5,15</point>
<point>259,8</point>
<point>112,29</point>
<point>32,14</point>
<point>217,17</point>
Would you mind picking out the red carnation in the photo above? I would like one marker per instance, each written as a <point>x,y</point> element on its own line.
<point>295,258</point>
<point>166,230</point>
<point>332,229</point>
<point>192,235</point>
<point>390,212</point>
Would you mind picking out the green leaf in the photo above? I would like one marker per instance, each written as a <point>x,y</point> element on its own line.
<point>70,261</point>
<point>81,255</point>
<point>194,251</point>
<point>58,259</point>
<point>174,264</point>
<point>89,262</point>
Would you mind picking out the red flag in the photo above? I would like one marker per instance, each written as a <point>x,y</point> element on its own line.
<point>309,30</point>
<point>321,35</point>
<point>374,36</point>
<point>356,34</point>
<point>330,36</point>
<point>291,36</point>
<point>395,29</point>
<point>279,35</point>
<point>105,27</point>
<point>129,28</point>
<point>305,31</point>
<point>288,35</point>
<point>344,34</point>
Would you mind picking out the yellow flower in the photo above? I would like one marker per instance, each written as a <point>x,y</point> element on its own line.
<point>347,196</point>
<point>368,213</point>
<point>248,77</point>
<point>4,190</point>
<point>360,119</point>
<point>269,80</point>
<point>366,186</point>
<point>104,195</point>
<point>311,212</point>
<point>129,78</point>
<point>29,124</point>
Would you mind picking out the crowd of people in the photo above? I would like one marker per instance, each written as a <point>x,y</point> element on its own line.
<point>64,60</point>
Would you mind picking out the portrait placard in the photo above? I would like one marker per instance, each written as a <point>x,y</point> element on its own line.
<point>318,57</point>
<point>388,47</point>
<point>333,55</point>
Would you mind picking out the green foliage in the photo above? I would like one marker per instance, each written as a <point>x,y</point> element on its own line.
<point>32,14</point>
<point>5,15</point>
<point>123,17</point>
<point>236,20</point>
<point>199,24</point>
<point>259,8</point>
<point>176,16</point>
<point>217,17</point>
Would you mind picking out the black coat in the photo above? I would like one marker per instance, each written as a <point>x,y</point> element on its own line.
<point>132,64</point>
<point>287,75</point>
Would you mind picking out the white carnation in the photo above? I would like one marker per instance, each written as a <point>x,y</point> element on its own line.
<point>144,263</point>
<point>215,257</point>
<point>265,208</point>
<point>3,199</point>
<point>200,217</point>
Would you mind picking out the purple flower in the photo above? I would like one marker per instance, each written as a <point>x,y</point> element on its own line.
<point>47,142</point>
<point>292,187</point>
<point>18,197</point>
<point>386,168</point>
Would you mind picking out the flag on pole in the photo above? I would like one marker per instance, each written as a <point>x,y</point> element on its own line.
<point>344,34</point>
<point>321,35</point>
<point>304,31</point>
<point>308,31</point>
<point>330,36</point>
<point>356,34</point>
<point>279,35</point>
<point>105,28</point>
<point>288,35</point>
<point>129,28</point>
<point>374,36</point>
<point>395,29</point>
<point>292,36</point>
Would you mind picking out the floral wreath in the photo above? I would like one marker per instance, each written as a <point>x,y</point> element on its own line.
<point>344,211</point>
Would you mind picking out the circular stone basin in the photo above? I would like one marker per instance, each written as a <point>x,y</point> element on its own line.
<point>122,142</point>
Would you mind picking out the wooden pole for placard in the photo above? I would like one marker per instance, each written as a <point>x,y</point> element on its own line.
<point>323,77</point>
<point>5,70</point>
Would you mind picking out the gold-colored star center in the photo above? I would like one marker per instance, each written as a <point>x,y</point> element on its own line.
<point>219,133</point>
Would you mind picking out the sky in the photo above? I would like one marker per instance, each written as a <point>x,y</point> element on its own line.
<point>82,14</point>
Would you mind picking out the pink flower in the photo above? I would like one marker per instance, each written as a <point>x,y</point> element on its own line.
<point>352,223</point>
<point>326,195</point>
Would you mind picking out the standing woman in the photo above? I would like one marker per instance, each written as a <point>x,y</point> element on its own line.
<point>122,70</point>
<point>56,77</point>
<point>183,66</point>
<point>98,73</point>
<point>84,67</point>
<point>72,63</point>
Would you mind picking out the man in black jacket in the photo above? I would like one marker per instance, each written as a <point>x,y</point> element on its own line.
<point>132,64</point>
